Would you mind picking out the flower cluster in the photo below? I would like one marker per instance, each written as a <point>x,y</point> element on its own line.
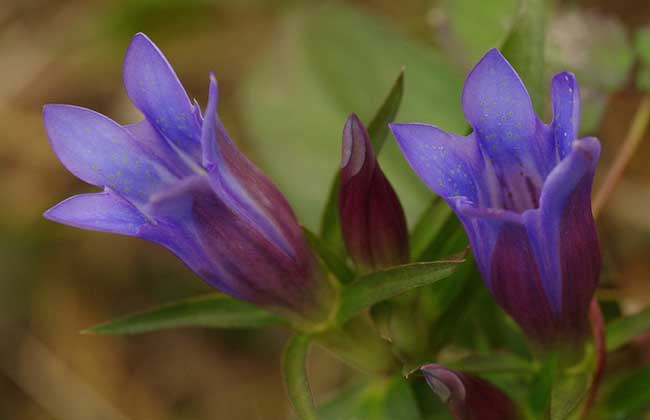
<point>520,187</point>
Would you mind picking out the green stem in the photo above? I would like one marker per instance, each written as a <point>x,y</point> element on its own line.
<point>295,377</point>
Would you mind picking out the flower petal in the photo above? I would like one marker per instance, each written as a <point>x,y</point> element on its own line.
<point>244,189</point>
<point>154,88</point>
<point>563,231</point>
<point>565,96</point>
<point>147,135</point>
<point>226,250</point>
<point>449,164</point>
<point>499,109</point>
<point>506,258</point>
<point>105,212</point>
<point>101,152</point>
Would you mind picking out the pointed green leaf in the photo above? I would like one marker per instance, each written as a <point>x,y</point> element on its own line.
<point>212,311</point>
<point>295,377</point>
<point>524,48</point>
<point>378,131</point>
<point>620,331</point>
<point>381,285</point>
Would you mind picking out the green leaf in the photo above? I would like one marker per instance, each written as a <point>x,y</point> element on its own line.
<point>620,331</point>
<point>295,377</point>
<point>381,285</point>
<point>630,396</point>
<point>382,400</point>
<point>377,130</point>
<point>331,258</point>
<point>212,311</point>
<point>524,48</point>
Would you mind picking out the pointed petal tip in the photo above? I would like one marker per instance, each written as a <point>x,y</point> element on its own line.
<point>588,147</point>
<point>356,147</point>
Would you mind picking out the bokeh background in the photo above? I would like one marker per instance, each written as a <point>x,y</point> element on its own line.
<point>289,72</point>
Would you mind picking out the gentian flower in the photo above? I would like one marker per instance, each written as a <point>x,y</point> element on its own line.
<point>522,189</point>
<point>372,219</point>
<point>177,179</point>
<point>469,397</point>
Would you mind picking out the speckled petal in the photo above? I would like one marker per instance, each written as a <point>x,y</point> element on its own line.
<point>244,189</point>
<point>105,211</point>
<point>154,88</point>
<point>499,109</point>
<point>101,152</point>
<point>565,96</point>
<point>449,164</point>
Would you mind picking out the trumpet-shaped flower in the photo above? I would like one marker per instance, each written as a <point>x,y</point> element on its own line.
<point>177,179</point>
<point>372,219</point>
<point>522,189</point>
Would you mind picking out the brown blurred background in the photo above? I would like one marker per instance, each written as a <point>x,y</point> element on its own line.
<point>289,72</point>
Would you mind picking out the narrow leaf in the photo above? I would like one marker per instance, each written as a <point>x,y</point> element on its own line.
<point>620,331</point>
<point>378,131</point>
<point>295,377</point>
<point>381,285</point>
<point>212,311</point>
<point>524,48</point>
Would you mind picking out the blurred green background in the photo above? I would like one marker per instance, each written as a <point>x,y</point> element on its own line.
<point>289,72</point>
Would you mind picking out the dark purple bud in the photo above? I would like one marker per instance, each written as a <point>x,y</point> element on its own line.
<point>177,179</point>
<point>469,397</point>
<point>372,219</point>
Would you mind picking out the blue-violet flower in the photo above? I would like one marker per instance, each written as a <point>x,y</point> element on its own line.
<point>177,179</point>
<point>522,189</point>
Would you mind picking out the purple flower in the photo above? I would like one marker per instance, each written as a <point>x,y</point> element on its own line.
<point>177,179</point>
<point>469,397</point>
<point>372,219</point>
<point>522,189</point>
